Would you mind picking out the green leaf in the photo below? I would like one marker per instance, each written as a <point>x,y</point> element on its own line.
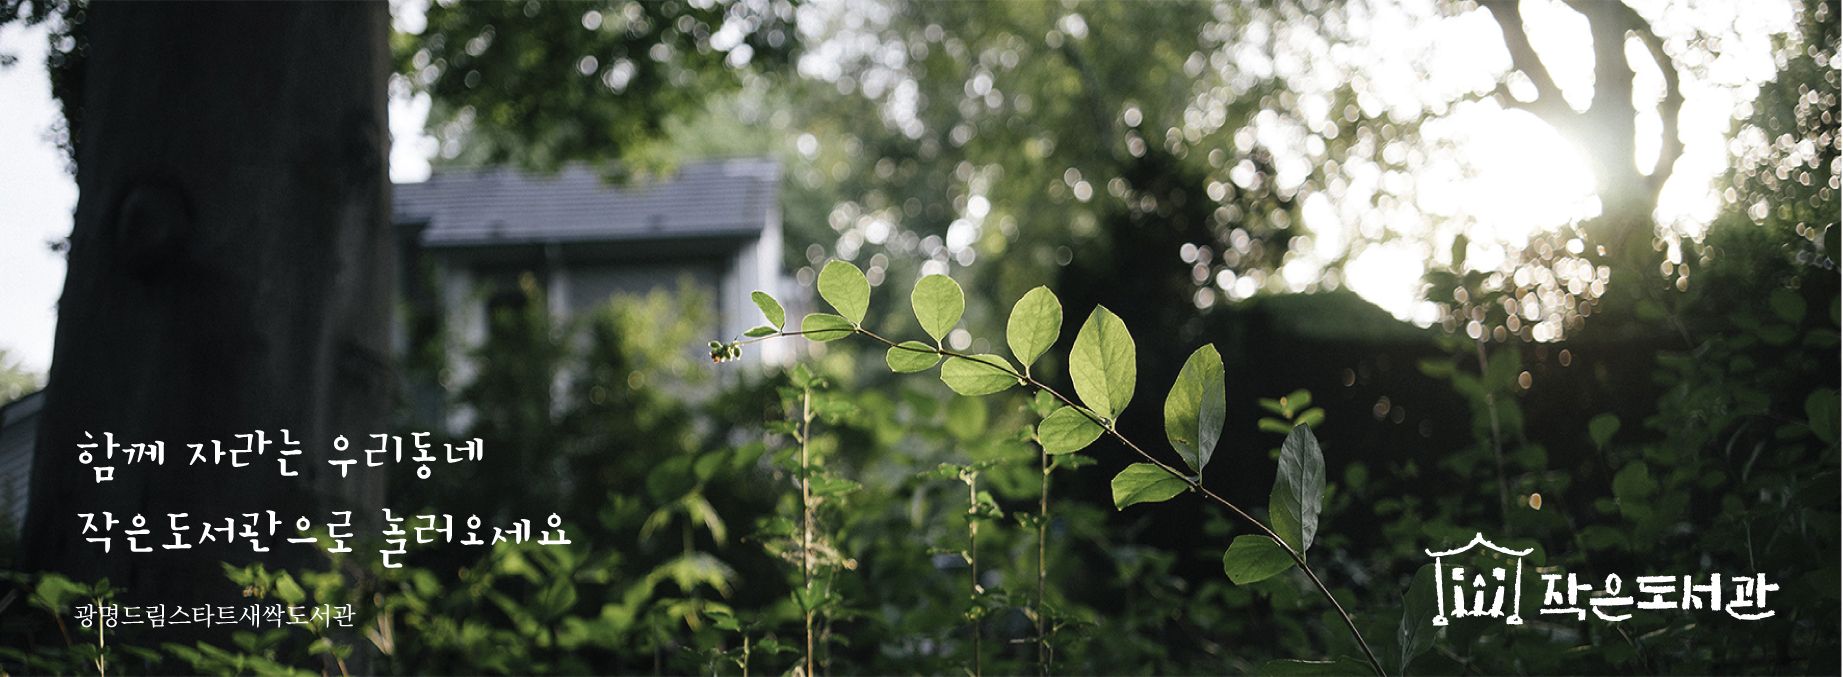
<point>760,331</point>
<point>1103,364</point>
<point>966,418</point>
<point>771,309</point>
<point>1821,412</point>
<point>911,356</point>
<point>1273,406</point>
<point>1035,324</point>
<point>1145,483</point>
<point>1788,305</point>
<point>1299,487</point>
<point>1419,606</point>
<point>1252,558</point>
<point>288,590</point>
<point>1297,401</point>
<point>1283,523</point>
<point>978,374</point>
<point>843,285</point>
<point>1634,481</point>
<point>823,327</point>
<point>833,486</point>
<point>1195,408</point>
<point>1344,666</point>
<point>1438,368</point>
<point>1312,417</point>
<point>1067,430</point>
<point>1602,428</point>
<point>938,304</point>
<point>1274,425</point>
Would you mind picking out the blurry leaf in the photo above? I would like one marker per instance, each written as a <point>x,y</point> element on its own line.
<point>1602,428</point>
<point>670,479</point>
<point>966,418</point>
<point>771,309</point>
<point>1299,487</point>
<point>1067,430</point>
<point>1274,425</point>
<point>938,304</point>
<point>909,357</point>
<point>1035,324</point>
<point>945,471</point>
<point>1437,368</point>
<point>843,285</point>
<point>823,327</point>
<point>833,486</point>
<point>1195,408</point>
<point>1103,364</point>
<point>1602,537</point>
<point>1310,418</point>
<point>1634,481</point>
<point>1503,368</point>
<point>1252,557</point>
<point>1145,483</point>
<point>1821,412</point>
<point>1649,311</point>
<point>1777,334</point>
<point>1344,666</point>
<point>759,332</point>
<point>1296,402</point>
<point>1419,606</point>
<point>977,375</point>
<point>707,465</point>
<point>1788,305</point>
<point>288,590</point>
<point>1274,407</point>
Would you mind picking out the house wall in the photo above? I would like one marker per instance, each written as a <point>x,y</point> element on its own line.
<point>18,434</point>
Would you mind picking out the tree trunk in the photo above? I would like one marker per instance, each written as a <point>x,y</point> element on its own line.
<point>230,272</point>
<point>1605,133</point>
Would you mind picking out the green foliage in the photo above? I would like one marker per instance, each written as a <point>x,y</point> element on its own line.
<point>938,303</point>
<point>1034,325</point>
<point>1103,364</point>
<point>843,285</point>
<point>1104,371</point>
<point>771,309</point>
<point>978,374</point>
<point>547,84</point>
<point>1253,558</point>
<point>1416,633</point>
<point>15,380</point>
<point>1298,489</point>
<point>1067,430</point>
<point>1195,409</point>
<point>824,327</point>
<point>911,356</point>
<point>1145,483</point>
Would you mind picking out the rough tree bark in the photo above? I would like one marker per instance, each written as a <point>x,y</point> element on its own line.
<point>1606,132</point>
<point>229,272</point>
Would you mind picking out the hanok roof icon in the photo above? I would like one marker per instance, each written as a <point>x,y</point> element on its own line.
<point>1439,573</point>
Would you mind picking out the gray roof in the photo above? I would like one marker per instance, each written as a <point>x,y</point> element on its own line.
<point>485,206</point>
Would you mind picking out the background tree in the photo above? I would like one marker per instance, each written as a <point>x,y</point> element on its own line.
<point>228,273</point>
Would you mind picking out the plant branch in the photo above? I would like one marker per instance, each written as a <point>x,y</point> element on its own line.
<point>1195,484</point>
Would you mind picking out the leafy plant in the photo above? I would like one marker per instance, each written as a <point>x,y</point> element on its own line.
<point>1103,370</point>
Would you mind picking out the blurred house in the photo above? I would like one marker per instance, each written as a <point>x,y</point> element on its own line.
<point>716,223</point>
<point>466,237</point>
<point>18,432</point>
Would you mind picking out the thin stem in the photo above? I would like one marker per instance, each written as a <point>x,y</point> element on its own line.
<point>1042,526</point>
<point>1194,484</point>
<point>972,559</point>
<point>1497,442</point>
<point>806,521</point>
